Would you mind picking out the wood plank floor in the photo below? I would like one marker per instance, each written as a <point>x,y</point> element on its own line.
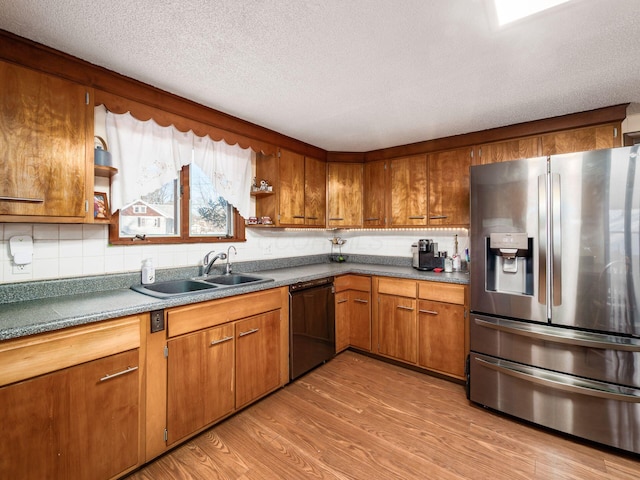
<point>360,418</point>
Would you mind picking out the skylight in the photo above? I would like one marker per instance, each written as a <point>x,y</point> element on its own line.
<point>512,10</point>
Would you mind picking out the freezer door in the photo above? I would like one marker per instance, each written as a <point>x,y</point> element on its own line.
<point>509,197</point>
<point>595,231</point>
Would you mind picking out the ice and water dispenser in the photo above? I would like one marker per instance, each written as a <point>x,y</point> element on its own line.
<point>509,263</point>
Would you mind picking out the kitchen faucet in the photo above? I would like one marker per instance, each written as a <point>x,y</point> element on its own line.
<point>229,258</point>
<point>208,263</point>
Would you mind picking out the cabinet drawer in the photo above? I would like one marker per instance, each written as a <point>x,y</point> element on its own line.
<point>441,292</point>
<point>48,352</point>
<point>190,318</point>
<point>353,282</point>
<point>395,286</point>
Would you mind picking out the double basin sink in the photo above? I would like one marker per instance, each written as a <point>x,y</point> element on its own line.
<point>173,288</point>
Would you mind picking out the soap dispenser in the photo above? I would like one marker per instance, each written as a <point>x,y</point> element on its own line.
<point>148,272</point>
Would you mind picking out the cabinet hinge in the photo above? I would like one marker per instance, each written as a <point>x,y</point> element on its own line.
<point>166,351</point>
<point>86,98</point>
<point>166,435</point>
<point>86,206</point>
<point>279,153</point>
<point>465,313</point>
<point>479,152</point>
<point>615,132</point>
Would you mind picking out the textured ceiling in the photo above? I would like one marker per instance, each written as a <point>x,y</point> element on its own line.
<point>355,75</point>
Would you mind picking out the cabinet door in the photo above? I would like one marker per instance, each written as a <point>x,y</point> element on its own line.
<point>582,139</point>
<point>397,327</point>
<point>441,330</point>
<point>342,320</point>
<point>291,188</point>
<point>257,356</point>
<point>315,191</point>
<point>449,187</point>
<point>104,403</point>
<point>35,432</point>
<point>344,201</point>
<point>374,194</point>
<point>518,148</point>
<point>199,380</point>
<point>409,191</point>
<point>360,319</point>
<point>43,145</point>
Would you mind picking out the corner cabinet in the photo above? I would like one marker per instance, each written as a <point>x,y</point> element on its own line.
<point>353,312</point>
<point>71,402</point>
<point>344,195</point>
<point>46,142</point>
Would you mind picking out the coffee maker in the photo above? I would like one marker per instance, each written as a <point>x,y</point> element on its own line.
<point>425,255</point>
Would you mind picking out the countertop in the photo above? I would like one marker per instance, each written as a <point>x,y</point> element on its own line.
<point>22,318</point>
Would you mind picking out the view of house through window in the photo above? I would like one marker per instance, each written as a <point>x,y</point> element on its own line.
<point>154,214</point>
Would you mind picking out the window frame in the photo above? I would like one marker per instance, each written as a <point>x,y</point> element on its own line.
<point>184,192</point>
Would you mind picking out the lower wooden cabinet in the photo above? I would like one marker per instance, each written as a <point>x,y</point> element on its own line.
<point>421,323</point>
<point>353,312</point>
<point>80,422</point>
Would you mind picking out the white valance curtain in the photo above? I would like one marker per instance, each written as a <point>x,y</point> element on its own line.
<point>148,156</point>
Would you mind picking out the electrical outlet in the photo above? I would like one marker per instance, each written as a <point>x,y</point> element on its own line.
<point>22,269</point>
<point>157,321</point>
<point>267,249</point>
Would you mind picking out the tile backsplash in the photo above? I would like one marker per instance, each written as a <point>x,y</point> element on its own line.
<point>62,251</point>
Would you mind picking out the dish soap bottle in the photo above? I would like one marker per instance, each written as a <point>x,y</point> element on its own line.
<point>148,272</point>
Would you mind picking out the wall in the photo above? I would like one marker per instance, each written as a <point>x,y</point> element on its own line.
<point>62,251</point>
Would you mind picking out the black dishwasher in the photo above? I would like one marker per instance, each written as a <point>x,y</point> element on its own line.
<point>312,333</point>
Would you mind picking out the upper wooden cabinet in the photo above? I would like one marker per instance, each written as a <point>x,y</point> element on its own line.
<point>375,194</point>
<point>582,139</point>
<point>299,183</point>
<point>408,180</point>
<point>344,194</point>
<point>449,187</point>
<point>46,145</point>
<point>527,147</point>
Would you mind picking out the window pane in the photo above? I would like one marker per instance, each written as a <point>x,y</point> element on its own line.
<point>208,212</point>
<point>154,214</point>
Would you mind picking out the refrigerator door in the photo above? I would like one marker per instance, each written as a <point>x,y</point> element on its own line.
<point>509,200</point>
<point>595,232</point>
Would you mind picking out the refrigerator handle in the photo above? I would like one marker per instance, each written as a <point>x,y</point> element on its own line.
<point>556,241</point>
<point>542,240</point>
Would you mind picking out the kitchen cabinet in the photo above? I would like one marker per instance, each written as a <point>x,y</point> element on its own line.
<point>449,187</point>
<point>201,362</point>
<point>221,355</point>
<point>257,356</point>
<point>441,328</point>
<point>344,194</point>
<point>397,319</point>
<point>582,139</point>
<point>299,185</point>
<point>526,147</point>
<point>81,421</point>
<point>408,191</point>
<point>421,323</point>
<point>353,312</point>
<point>47,142</point>
<point>374,194</point>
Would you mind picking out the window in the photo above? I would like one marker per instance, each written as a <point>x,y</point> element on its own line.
<point>174,187</point>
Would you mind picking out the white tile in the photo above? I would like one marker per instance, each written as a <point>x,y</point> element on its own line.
<point>70,232</point>
<point>93,265</point>
<point>95,232</point>
<point>13,229</point>
<point>93,247</point>
<point>46,232</point>
<point>46,268</point>
<point>70,268</point>
<point>46,249</point>
<point>114,263</point>
<point>70,248</point>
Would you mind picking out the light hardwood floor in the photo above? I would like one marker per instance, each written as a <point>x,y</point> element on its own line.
<point>360,418</point>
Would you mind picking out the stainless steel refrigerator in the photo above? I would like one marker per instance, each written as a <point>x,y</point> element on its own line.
<point>555,293</point>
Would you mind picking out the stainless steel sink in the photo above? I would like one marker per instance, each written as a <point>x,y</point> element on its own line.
<point>236,279</point>
<point>173,288</point>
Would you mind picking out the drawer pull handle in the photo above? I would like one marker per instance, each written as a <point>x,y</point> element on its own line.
<point>221,340</point>
<point>417,217</point>
<point>360,300</point>
<point>371,219</point>
<point>22,199</point>
<point>342,301</point>
<point>430,312</point>
<point>248,332</point>
<point>298,216</point>
<point>311,218</point>
<point>336,218</point>
<point>109,376</point>
<point>437,217</point>
<point>402,307</point>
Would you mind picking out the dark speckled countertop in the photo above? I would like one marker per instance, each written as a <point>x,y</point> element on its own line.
<point>69,303</point>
